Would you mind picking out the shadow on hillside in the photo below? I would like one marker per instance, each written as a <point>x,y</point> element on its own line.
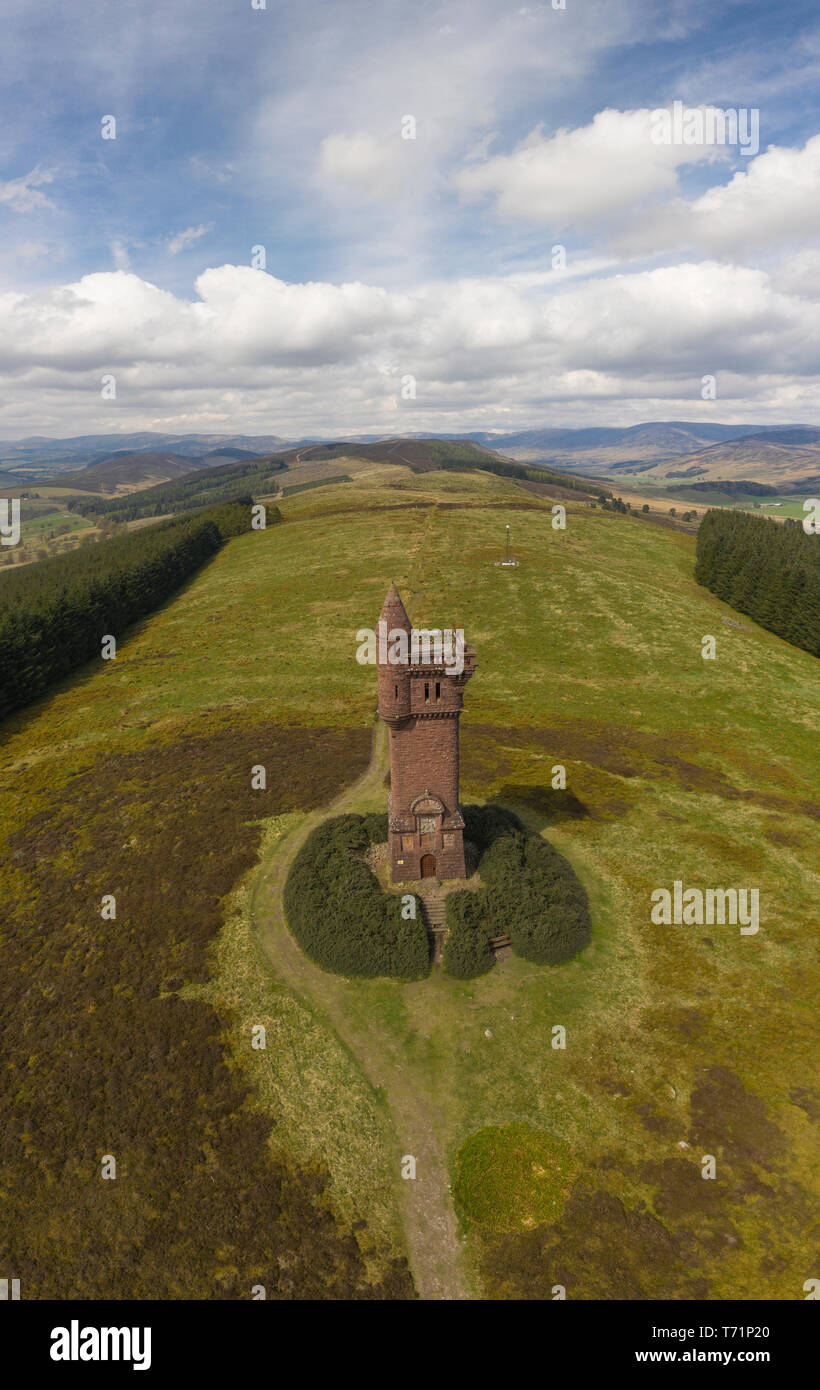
<point>544,805</point>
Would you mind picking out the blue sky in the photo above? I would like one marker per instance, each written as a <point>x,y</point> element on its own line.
<point>387,257</point>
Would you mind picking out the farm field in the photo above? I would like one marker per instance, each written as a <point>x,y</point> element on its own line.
<point>660,498</point>
<point>781,507</point>
<point>134,777</point>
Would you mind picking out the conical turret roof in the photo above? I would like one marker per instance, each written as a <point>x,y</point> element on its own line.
<point>393,611</point>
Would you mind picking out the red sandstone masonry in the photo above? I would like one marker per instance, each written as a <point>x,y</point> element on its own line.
<point>421,703</point>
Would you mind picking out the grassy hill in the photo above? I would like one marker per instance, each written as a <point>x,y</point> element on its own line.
<point>421,455</point>
<point>578,1166</point>
<point>668,452</point>
<point>780,458</point>
<point>123,472</point>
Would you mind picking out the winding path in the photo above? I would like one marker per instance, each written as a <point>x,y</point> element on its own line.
<point>433,1246</point>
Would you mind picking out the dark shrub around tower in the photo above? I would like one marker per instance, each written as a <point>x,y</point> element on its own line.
<point>528,891</point>
<point>340,915</point>
<point>466,951</point>
<point>535,896</point>
<point>484,824</point>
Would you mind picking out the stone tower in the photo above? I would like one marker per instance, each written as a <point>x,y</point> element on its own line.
<point>422,677</point>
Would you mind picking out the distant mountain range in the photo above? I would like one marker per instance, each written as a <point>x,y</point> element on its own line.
<point>40,456</point>
<point>669,436</point>
<point>662,451</point>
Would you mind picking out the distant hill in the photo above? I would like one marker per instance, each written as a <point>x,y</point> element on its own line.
<point>614,448</point>
<point>422,455</point>
<point>785,458</point>
<point>202,487</point>
<point>225,455</point>
<point>47,456</point>
<point>677,448</point>
<point>125,472</point>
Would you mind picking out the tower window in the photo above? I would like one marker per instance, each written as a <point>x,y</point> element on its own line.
<point>426,691</point>
<point>396,688</point>
<point>438,690</point>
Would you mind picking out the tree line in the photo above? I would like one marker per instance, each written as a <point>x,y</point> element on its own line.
<point>737,487</point>
<point>503,469</point>
<point>315,482</point>
<point>204,487</point>
<point>767,569</point>
<point>54,615</point>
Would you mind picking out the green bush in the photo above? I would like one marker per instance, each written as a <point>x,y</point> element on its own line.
<point>466,950</point>
<point>484,824</point>
<point>340,915</point>
<point>535,897</point>
<point>375,827</point>
<point>528,892</point>
<point>346,923</point>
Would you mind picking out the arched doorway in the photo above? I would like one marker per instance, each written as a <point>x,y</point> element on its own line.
<point>428,866</point>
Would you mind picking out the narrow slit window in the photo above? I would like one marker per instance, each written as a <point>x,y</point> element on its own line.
<point>438,690</point>
<point>396,688</point>
<point>426,691</point>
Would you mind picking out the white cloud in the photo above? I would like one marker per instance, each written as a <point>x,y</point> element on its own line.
<point>23,194</point>
<point>296,358</point>
<point>610,176</point>
<point>777,197</point>
<point>575,177</point>
<point>33,250</point>
<point>459,69</point>
<point>372,167</point>
<point>774,201</point>
<point>188,237</point>
<point>119,254</point>
<point>799,275</point>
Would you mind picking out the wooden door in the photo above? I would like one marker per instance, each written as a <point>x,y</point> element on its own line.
<point>428,866</point>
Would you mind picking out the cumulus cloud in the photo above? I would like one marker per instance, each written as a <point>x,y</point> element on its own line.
<point>776,200</point>
<point>799,275</point>
<point>610,176</point>
<point>575,177</point>
<point>438,249</point>
<point>297,358</point>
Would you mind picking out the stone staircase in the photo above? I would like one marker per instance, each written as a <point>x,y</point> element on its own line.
<point>434,917</point>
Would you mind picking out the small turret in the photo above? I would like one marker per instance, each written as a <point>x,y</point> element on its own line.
<point>394,677</point>
<point>393,611</point>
